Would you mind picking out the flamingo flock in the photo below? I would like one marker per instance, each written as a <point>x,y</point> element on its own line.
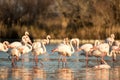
<point>110,47</point>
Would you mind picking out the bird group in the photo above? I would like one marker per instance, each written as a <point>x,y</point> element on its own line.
<point>109,47</point>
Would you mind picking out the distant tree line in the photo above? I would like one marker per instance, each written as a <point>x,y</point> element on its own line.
<point>85,19</point>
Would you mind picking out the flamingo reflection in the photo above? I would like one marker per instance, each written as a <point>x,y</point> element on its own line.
<point>21,73</point>
<point>102,74</point>
<point>64,74</point>
<point>3,73</point>
<point>38,73</point>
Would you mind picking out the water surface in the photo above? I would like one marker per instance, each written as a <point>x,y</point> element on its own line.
<point>74,70</point>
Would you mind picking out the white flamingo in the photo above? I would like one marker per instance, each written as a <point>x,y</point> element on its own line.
<point>87,48</point>
<point>3,46</point>
<point>47,40</point>
<point>64,50</point>
<point>44,41</point>
<point>38,51</point>
<point>102,51</point>
<point>76,41</point>
<point>116,47</point>
<point>102,66</point>
<point>15,55</point>
<point>16,52</point>
<point>110,39</point>
<point>25,40</point>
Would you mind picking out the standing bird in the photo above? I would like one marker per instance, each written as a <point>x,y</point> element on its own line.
<point>15,55</point>
<point>3,46</point>
<point>64,50</point>
<point>38,51</point>
<point>47,40</point>
<point>102,50</point>
<point>110,39</point>
<point>76,41</point>
<point>87,49</point>
<point>18,52</point>
<point>26,38</point>
<point>44,41</point>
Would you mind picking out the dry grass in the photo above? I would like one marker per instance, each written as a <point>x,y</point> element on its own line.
<point>59,33</point>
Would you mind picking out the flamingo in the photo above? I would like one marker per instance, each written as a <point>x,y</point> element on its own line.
<point>47,40</point>
<point>44,41</point>
<point>25,39</point>
<point>64,50</point>
<point>116,47</point>
<point>38,51</point>
<point>66,41</point>
<point>76,41</point>
<point>15,54</point>
<point>102,50</point>
<point>110,39</point>
<point>102,66</point>
<point>3,46</point>
<point>25,49</point>
<point>87,49</point>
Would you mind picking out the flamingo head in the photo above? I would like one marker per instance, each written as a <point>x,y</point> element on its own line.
<point>48,36</point>
<point>112,35</point>
<point>54,50</point>
<point>26,33</point>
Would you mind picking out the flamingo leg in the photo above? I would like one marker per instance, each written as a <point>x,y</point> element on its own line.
<point>41,63</point>
<point>13,61</point>
<point>97,61</point>
<point>22,59</point>
<point>64,61</point>
<point>86,59</point>
<point>36,59</point>
<point>102,58</point>
<point>59,59</point>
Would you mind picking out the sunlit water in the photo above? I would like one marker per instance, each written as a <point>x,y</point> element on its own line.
<point>74,70</point>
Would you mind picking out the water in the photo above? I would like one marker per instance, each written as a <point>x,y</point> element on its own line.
<point>74,70</point>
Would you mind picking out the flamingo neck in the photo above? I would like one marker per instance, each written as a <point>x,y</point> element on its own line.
<point>97,42</point>
<point>44,48</point>
<point>29,46</point>
<point>112,53</point>
<point>47,38</point>
<point>72,48</point>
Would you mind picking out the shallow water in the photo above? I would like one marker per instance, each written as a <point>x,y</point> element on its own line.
<point>74,70</point>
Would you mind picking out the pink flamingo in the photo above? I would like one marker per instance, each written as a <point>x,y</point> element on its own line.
<point>38,51</point>
<point>44,41</point>
<point>64,50</point>
<point>110,39</point>
<point>87,48</point>
<point>102,66</point>
<point>16,52</point>
<point>47,40</point>
<point>76,41</point>
<point>25,40</point>
<point>3,46</point>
